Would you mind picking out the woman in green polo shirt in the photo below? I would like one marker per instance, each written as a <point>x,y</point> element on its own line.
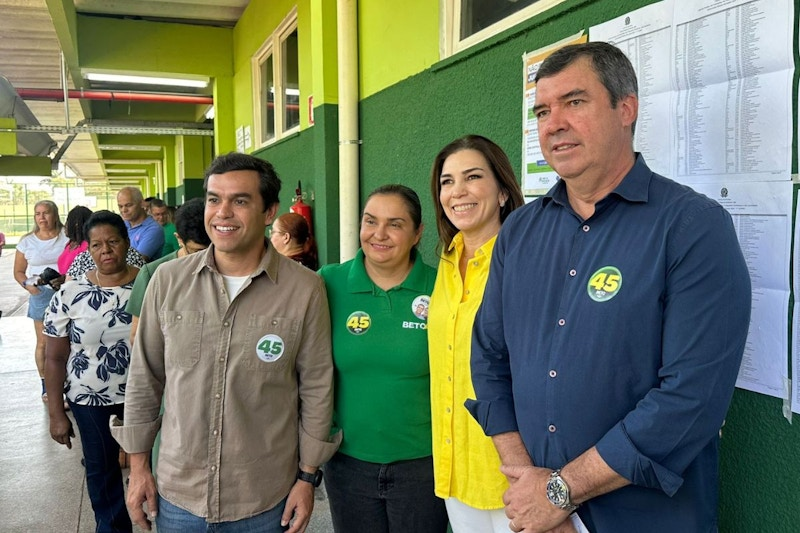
<point>381,480</point>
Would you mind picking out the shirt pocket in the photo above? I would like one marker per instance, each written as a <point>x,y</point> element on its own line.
<point>270,343</point>
<point>183,336</point>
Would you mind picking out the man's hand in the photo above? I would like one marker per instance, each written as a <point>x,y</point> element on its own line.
<point>61,428</point>
<point>527,506</point>
<point>299,505</point>
<point>142,489</point>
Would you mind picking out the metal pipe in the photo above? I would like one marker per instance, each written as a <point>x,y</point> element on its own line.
<point>347,41</point>
<point>65,88</point>
<point>56,95</point>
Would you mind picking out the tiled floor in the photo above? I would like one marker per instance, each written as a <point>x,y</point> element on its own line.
<point>42,484</point>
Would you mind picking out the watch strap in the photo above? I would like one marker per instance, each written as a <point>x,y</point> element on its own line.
<point>315,479</point>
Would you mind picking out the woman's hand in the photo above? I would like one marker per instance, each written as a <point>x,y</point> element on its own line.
<point>61,428</point>
<point>32,289</point>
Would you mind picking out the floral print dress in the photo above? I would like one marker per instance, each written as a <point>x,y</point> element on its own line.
<point>98,327</point>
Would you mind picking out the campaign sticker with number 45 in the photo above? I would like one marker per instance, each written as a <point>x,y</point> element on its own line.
<point>270,348</point>
<point>604,284</point>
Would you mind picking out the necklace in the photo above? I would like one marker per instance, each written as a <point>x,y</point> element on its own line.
<point>114,282</point>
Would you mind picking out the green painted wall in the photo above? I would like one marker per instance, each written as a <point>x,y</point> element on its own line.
<point>311,156</point>
<point>154,46</point>
<point>480,90</point>
<point>258,22</point>
<point>395,42</point>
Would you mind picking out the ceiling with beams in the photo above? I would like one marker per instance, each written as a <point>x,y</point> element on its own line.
<point>30,58</point>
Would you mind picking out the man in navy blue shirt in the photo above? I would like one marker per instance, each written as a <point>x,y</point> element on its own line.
<point>611,332</point>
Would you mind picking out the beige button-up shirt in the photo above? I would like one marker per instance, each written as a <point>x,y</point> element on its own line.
<point>247,384</point>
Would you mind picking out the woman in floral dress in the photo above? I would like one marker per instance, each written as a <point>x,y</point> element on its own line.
<point>87,357</point>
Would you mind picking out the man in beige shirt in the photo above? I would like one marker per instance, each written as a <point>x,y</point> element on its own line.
<point>237,340</point>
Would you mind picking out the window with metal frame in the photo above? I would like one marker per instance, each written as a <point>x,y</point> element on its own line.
<point>468,22</point>
<point>276,87</point>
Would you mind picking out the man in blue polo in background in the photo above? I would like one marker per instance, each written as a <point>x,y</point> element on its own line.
<point>147,236</point>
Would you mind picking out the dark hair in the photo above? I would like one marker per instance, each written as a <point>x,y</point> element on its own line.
<point>407,194</point>
<point>76,218</point>
<point>297,227</point>
<point>106,218</point>
<point>501,168</point>
<point>51,205</point>
<point>157,202</point>
<point>269,184</point>
<point>612,66</point>
<point>190,222</point>
<point>149,199</point>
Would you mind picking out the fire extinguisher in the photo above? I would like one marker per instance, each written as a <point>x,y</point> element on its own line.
<point>302,208</point>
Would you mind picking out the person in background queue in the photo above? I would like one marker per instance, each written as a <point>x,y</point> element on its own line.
<point>291,236</point>
<point>88,355</point>
<point>146,235</point>
<point>37,251</point>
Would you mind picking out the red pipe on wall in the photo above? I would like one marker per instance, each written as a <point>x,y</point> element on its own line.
<point>57,95</point>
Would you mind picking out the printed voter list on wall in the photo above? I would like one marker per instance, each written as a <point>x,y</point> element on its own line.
<point>762,217</point>
<point>645,37</point>
<point>715,84</point>
<point>537,175</point>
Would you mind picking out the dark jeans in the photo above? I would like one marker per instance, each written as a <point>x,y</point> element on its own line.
<point>383,498</point>
<point>103,474</point>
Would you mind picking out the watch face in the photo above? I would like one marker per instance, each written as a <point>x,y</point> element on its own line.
<point>556,492</point>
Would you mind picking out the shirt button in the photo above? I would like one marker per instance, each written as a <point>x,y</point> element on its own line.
<point>551,428</point>
<point>215,432</point>
<point>226,323</point>
<point>449,378</point>
<point>475,263</point>
<point>561,321</point>
<point>585,228</point>
<point>221,359</point>
<point>573,272</point>
<point>448,441</point>
<point>552,373</point>
<point>467,291</point>
<point>448,409</point>
<point>213,468</point>
<point>449,347</point>
<point>217,396</point>
<point>274,322</point>
<point>179,317</point>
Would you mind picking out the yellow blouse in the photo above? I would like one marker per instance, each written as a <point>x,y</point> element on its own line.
<point>466,464</point>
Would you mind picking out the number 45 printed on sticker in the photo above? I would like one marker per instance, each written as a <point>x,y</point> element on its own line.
<point>270,348</point>
<point>604,284</point>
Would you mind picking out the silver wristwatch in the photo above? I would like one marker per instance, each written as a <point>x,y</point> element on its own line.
<point>558,492</point>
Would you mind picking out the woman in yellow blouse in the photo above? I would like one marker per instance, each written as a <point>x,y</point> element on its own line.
<point>474,190</point>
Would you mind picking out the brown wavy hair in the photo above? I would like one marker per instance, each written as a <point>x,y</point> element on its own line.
<point>501,168</point>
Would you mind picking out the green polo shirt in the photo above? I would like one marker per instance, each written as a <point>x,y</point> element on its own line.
<point>170,240</point>
<point>134,306</point>
<point>380,353</point>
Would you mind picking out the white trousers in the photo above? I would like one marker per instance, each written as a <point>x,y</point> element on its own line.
<point>466,519</point>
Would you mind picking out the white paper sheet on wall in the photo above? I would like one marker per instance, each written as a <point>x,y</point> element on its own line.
<point>715,113</point>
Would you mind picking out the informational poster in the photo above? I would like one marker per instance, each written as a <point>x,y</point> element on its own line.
<point>537,175</point>
<point>715,113</point>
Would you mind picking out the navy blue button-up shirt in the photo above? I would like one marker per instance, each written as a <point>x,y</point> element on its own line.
<point>624,331</point>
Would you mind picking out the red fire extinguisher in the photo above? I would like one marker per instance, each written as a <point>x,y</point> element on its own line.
<point>302,208</point>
